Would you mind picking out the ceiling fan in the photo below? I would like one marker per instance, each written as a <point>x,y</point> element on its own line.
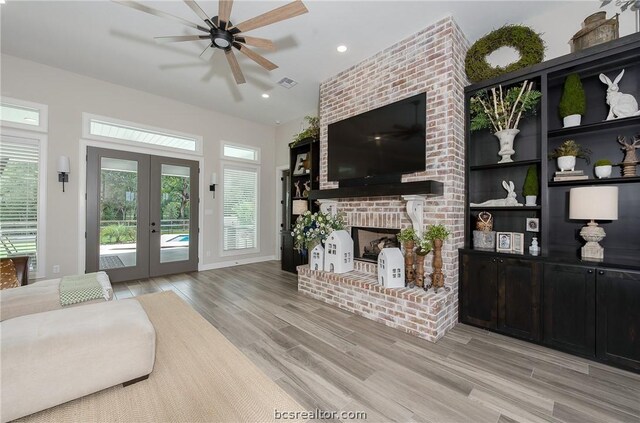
<point>222,34</point>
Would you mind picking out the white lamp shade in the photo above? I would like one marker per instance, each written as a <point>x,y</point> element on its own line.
<point>214,178</point>
<point>300,206</point>
<point>63,164</point>
<point>593,203</point>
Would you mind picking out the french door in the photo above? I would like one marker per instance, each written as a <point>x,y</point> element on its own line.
<point>142,214</point>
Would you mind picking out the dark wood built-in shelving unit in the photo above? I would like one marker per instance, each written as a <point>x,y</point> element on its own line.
<point>556,299</point>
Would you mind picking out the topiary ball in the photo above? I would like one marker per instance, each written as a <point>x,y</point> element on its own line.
<point>528,44</point>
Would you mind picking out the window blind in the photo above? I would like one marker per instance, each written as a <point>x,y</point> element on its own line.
<point>19,169</point>
<point>240,208</point>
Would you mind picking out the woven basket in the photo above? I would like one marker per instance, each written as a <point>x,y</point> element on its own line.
<point>484,222</point>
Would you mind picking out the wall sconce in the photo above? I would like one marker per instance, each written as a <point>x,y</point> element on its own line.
<point>214,181</point>
<point>63,170</point>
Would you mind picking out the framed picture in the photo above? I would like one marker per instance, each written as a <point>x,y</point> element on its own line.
<point>504,242</point>
<point>533,224</point>
<point>517,240</point>
<point>299,168</point>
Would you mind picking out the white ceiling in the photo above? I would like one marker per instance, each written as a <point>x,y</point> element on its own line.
<point>114,43</point>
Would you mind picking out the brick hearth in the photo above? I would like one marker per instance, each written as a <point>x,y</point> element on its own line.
<point>430,61</point>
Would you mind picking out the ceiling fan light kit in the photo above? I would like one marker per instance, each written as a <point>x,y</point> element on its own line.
<point>223,35</point>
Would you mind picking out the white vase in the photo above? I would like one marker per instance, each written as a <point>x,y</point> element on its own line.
<point>530,200</point>
<point>572,120</point>
<point>567,163</point>
<point>506,137</point>
<point>603,171</point>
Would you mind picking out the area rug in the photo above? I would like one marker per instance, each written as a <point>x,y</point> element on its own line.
<point>198,376</point>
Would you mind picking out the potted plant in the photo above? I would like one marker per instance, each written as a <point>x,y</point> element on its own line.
<point>531,186</point>
<point>603,168</point>
<point>312,131</point>
<point>437,234</point>
<point>567,153</point>
<point>502,111</point>
<point>423,248</point>
<point>408,237</point>
<point>311,229</point>
<point>573,103</point>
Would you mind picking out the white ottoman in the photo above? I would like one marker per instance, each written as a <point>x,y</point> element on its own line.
<point>53,357</point>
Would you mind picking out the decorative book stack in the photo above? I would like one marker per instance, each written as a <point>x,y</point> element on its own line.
<point>569,175</point>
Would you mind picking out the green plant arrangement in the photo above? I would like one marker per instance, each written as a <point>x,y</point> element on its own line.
<point>437,232</point>
<point>313,228</point>
<point>531,185</point>
<point>423,246</point>
<point>603,162</point>
<point>407,234</point>
<point>573,100</point>
<point>312,131</point>
<point>571,148</point>
<point>498,109</point>
<point>522,38</point>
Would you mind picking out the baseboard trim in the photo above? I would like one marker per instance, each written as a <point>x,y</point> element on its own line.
<point>230,263</point>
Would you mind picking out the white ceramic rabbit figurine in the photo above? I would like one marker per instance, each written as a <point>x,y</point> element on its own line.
<point>620,105</point>
<point>502,202</point>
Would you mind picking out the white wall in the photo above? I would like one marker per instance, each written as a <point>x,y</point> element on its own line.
<point>68,95</point>
<point>560,24</point>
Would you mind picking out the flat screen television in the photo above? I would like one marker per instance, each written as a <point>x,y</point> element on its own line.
<point>379,146</point>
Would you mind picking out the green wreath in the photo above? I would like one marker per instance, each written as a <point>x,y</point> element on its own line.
<point>522,38</point>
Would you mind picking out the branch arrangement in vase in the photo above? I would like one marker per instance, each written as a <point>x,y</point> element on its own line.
<point>500,109</point>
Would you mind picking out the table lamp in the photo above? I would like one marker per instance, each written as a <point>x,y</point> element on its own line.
<point>593,203</point>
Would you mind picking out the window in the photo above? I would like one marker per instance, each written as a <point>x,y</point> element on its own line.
<point>21,194</point>
<point>23,114</point>
<point>239,152</point>
<point>240,208</point>
<point>111,129</point>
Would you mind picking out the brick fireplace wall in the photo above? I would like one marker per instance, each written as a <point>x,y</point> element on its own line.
<point>430,61</point>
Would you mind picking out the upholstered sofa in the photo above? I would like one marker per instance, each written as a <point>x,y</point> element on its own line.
<point>42,296</point>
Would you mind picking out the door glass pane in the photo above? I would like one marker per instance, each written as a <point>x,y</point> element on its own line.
<point>118,213</point>
<point>175,212</point>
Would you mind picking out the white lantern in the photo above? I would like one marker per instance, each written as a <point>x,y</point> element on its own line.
<point>338,253</point>
<point>391,268</point>
<point>316,258</point>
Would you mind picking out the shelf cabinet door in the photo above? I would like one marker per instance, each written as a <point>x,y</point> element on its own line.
<point>479,291</point>
<point>519,292</point>
<point>569,301</point>
<point>618,308</point>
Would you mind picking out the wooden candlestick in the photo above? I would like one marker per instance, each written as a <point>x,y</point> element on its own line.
<point>408,263</point>
<point>437,277</point>
<point>420,269</point>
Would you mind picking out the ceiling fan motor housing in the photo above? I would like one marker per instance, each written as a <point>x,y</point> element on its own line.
<point>221,38</point>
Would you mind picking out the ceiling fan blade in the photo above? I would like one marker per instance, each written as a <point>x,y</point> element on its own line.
<point>256,57</point>
<point>287,11</point>
<point>179,38</point>
<point>224,12</point>
<point>141,7</point>
<point>256,42</point>
<point>207,53</point>
<point>201,13</point>
<point>235,67</point>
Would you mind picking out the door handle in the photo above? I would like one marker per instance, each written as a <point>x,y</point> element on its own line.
<point>501,261</point>
<point>153,231</point>
<point>153,223</point>
<point>590,271</point>
<point>600,272</point>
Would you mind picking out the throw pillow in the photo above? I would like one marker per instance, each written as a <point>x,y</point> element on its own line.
<point>8,276</point>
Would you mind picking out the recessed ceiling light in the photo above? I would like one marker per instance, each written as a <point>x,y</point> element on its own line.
<point>341,49</point>
<point>376,137</point>
<point>265,95</point>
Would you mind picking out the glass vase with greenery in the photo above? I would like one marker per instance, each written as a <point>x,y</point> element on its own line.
<point>312,130</point>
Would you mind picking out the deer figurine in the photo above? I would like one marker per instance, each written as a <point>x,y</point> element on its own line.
<point>630,158</point>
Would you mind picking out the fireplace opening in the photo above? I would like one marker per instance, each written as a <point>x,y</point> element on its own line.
<point>368,242</point>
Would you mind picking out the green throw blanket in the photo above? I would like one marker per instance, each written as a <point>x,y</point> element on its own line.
<point>80,288</point>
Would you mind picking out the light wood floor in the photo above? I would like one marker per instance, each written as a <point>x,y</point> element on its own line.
<point>332,360</point>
